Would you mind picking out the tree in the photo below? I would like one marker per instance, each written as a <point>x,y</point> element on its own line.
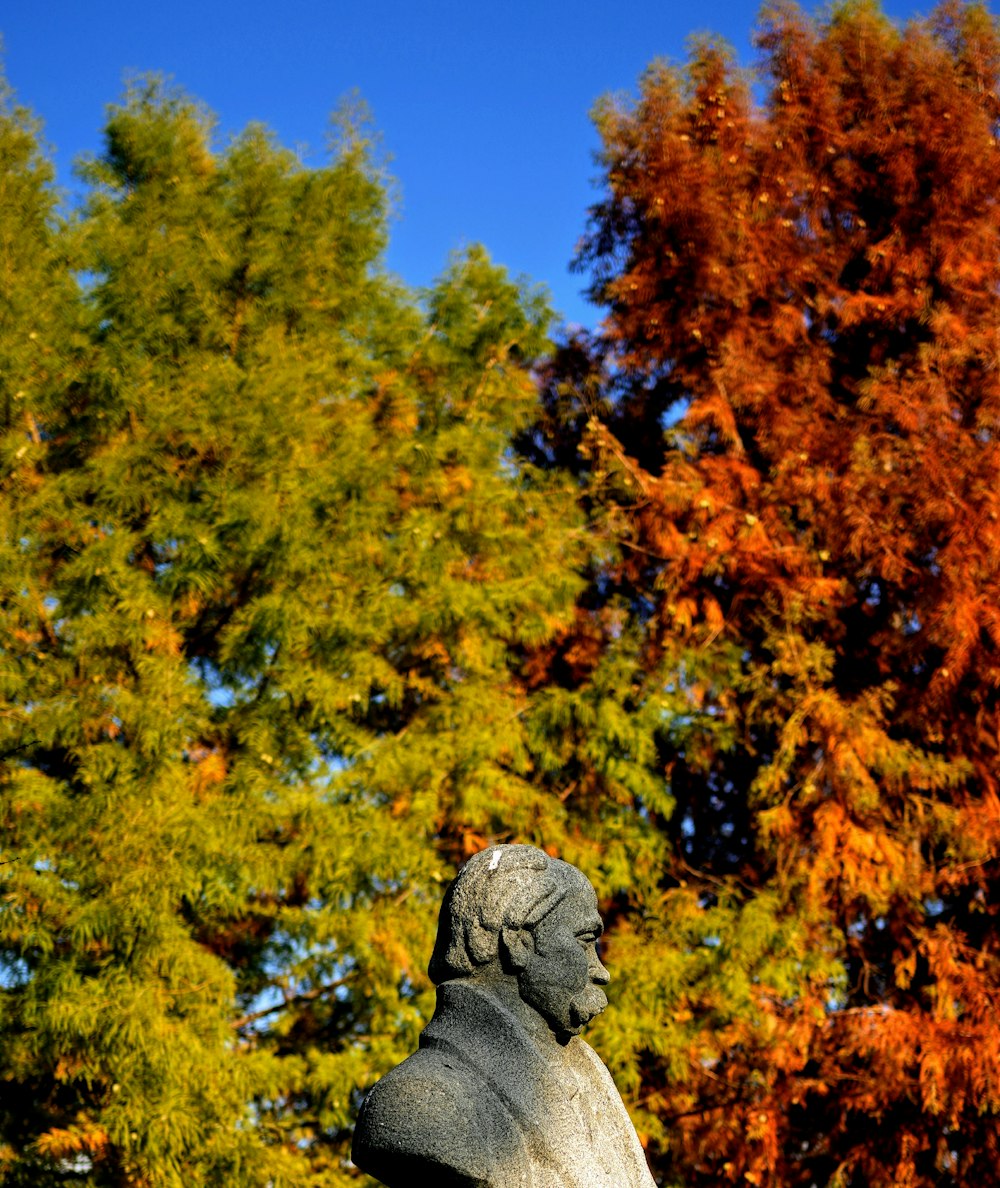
<point>270,571</point>
<point>791,424</point>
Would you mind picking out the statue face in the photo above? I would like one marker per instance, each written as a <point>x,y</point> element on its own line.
<point>563,976</point>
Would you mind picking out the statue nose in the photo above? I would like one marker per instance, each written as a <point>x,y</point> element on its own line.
<point>598,974</point>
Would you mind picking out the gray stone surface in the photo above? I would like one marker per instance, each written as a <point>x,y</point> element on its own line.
<point>502,1091</point>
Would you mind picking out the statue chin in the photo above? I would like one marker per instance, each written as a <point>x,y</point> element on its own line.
<point>584,1007</point>
<point>568,1016</point>
<point>571,1018</point>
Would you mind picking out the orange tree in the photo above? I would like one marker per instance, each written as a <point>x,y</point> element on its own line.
<point>790,424</point>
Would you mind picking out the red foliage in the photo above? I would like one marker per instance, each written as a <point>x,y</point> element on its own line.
<point>805,299</point>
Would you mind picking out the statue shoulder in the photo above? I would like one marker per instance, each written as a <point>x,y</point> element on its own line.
<point>427,1121</point>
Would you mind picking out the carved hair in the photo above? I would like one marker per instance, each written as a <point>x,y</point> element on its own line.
<point>502,887</point>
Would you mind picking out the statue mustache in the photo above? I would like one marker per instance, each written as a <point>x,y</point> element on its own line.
<point>587,1005</point>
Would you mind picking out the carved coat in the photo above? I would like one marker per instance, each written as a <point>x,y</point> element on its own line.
<point>479,1104</point>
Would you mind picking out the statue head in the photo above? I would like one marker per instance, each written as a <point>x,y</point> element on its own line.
<point>513,912</point>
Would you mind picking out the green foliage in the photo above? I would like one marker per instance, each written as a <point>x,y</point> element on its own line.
<point>269,571</point>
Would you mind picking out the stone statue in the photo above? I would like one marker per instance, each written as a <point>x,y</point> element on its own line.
<point>502,1092</point>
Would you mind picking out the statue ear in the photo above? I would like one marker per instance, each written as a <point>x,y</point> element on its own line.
<point>518,945</point>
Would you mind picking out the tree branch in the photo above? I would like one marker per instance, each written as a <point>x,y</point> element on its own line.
<point>294,1000</point>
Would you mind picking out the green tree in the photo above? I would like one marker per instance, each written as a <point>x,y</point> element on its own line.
<point>270,574</point>
<point>790,426</point>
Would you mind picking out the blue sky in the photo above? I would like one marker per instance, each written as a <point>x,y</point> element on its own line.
<point>483,108</point>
